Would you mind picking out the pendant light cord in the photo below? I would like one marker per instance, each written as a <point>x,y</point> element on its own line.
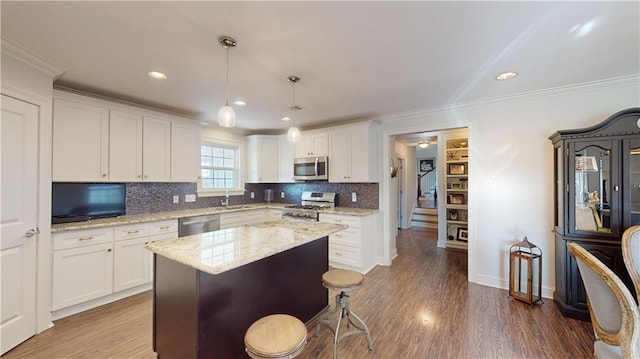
<point>293,108</point>
<point>227,86</point>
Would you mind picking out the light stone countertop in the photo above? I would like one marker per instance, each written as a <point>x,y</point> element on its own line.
<point>159,216</point>
<point>226,249</point>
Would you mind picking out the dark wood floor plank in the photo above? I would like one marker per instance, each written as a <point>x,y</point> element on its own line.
<point>420,307</point>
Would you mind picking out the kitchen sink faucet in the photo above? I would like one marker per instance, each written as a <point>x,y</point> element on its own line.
<point>225,202</point>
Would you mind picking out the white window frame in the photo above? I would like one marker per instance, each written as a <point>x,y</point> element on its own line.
<point>238,189</point>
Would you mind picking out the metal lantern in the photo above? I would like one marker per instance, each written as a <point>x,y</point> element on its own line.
<point>525,272</point>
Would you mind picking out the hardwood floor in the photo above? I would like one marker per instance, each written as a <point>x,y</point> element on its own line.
<point>420,307</point>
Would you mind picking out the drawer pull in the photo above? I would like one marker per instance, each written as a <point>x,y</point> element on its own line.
<point>85,238</point>
<point>133,232</point>
<point>338,235</point>
<point>337,220</point>
<point>338,254</point>
<point>164,227</point>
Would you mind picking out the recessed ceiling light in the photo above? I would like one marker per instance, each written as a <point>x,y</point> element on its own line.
<point>507,75</point>
<point>286,119</point>
<point>157,75</point>
<point>239,103</point>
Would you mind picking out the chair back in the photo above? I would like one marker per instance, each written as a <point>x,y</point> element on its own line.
<point>614,313</point>
<point>631,255</point>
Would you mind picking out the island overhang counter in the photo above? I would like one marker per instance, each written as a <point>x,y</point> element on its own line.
<point>209,288</point>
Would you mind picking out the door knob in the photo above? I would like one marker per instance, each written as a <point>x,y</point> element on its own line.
<point>31,232</point>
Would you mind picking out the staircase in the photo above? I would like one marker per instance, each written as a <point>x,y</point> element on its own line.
<point>425,217</point>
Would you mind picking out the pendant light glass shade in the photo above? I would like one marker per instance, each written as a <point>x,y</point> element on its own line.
<point>293,135</point>
<point>423,144</point>
<point>226,115</point>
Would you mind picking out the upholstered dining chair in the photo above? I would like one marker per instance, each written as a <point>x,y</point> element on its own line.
<point>614,313</point>
<point>631,255</point>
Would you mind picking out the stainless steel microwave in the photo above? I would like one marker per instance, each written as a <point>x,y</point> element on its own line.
<point>311,169</point>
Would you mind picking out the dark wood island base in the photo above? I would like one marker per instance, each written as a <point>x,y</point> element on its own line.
<point>200,315</point>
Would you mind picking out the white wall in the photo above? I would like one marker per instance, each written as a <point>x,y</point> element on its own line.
<point>511,166</point>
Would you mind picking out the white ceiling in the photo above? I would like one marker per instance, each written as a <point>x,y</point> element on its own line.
<point>355,59</point>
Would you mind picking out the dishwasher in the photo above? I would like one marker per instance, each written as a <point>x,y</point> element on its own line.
<point>188,226</point>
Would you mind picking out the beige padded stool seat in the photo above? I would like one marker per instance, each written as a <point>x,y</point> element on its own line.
<point>275,336</point>
<point>343,280</point>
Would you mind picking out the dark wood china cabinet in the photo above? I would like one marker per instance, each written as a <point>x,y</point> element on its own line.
<point>597,197</point>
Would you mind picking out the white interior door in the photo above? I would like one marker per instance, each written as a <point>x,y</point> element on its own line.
<point>18,221</point>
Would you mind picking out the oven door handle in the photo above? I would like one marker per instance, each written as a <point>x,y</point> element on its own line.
<point>317,159</point>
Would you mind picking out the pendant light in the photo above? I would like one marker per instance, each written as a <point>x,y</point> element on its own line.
<point>423,144</point>
<point>293,135</point>
<point>226,115</point>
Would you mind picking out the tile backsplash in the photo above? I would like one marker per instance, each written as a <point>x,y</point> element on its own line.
<point>144,198</point>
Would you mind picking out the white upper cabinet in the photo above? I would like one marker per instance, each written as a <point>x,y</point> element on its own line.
<point>353,153</point>
<point>99,141</point>
<point>125,147</point>
<point>156,150</point>
<point>185,152</point>
<point>312,144</point>
<point>262,156</point>
<point>285,160</point>
<point>80,142</point>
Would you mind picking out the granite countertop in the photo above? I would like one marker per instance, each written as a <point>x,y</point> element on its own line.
<point>225,249</point>
<point>116,221</point>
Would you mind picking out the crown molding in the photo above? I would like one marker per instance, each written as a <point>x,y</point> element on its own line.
<point>30,59</point>
<point>529,95</point>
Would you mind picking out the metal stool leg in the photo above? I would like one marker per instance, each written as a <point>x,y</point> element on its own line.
<point>343,310</point>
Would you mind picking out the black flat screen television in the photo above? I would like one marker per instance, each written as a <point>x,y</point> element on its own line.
<point>73,202</point>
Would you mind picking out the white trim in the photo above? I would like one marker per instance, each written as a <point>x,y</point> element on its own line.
<point>501,283</point>
<point>529,95</point>
<point>81,307</point>
<point>30,59</point>
<point>43,250</point>
<point>238,190</point>
<point>389,252</point>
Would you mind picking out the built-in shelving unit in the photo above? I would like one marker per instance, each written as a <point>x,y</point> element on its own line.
<point>456,199</point>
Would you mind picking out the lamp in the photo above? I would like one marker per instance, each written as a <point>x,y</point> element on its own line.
<point>226,115</point>
<point>293,135</point>
<point>523,255</point>
<point>423,144</point>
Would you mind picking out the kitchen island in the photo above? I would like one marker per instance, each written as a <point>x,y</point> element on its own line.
<point>209,288</point>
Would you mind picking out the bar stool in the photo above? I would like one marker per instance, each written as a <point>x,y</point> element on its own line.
<point>343,280</point>
<point>275,336</point>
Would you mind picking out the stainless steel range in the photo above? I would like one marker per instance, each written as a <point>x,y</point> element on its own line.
<point>311,205</point>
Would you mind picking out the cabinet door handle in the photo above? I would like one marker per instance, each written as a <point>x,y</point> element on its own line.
<point>104,175</point>
<point>139,176</point>
<point>109,250</point>
<point>85,238</point>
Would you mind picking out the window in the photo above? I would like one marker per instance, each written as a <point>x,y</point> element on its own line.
<point>219,166</point>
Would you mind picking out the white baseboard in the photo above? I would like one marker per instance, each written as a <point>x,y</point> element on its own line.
<point>501,283</point>
<point>75,309</point>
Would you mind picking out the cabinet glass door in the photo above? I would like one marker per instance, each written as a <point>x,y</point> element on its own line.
<point>633,194</point>
<point>592,197</point>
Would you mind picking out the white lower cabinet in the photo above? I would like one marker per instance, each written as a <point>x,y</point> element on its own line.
<point>82,266</point>
<point>105,262</point>
<point>353,247</point>
<point>131,259</point>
